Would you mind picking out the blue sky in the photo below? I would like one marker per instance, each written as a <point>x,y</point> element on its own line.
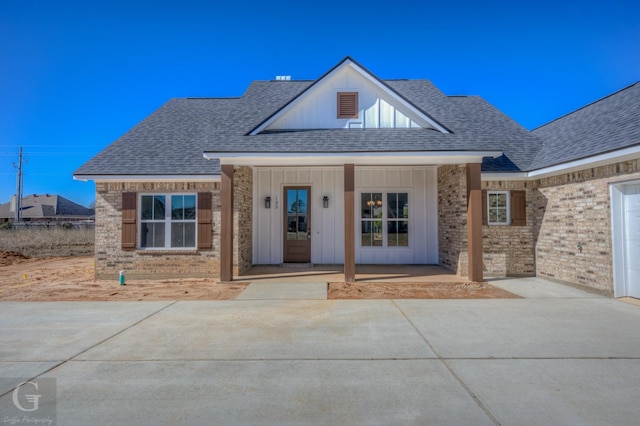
<point>75,75</point>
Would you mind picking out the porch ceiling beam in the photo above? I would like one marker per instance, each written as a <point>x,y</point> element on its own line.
<point>356,158</point>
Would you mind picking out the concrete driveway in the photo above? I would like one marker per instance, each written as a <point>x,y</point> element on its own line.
<point>557,356</point>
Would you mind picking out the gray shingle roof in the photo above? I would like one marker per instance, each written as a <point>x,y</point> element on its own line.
<point>606,125</point>
<point>46,207</point>
<point>171,141</point>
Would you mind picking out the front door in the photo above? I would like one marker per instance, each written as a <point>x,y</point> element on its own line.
<point>297,226</point>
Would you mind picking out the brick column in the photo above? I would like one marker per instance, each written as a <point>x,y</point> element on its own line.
<point>474,222</point>
<point>349,225</point>
<point>226,223</point>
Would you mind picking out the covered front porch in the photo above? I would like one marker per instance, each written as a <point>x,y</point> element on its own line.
<point>335,273</point>
<point>459,251</point>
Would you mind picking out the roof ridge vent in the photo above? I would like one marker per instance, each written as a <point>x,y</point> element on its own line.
<point>283,77</point>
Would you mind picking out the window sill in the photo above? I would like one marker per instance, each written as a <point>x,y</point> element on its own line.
<point>165,252</point>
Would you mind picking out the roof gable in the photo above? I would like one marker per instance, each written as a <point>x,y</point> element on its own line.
<point>379,105</point>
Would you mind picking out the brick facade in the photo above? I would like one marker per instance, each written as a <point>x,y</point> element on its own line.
<point>507,250</point>
<point>567,236</point>
<point>452,217</point>
<point>242,220</point>
<point>510,250</point>
<point>144,264</point>
<point>573,225</point>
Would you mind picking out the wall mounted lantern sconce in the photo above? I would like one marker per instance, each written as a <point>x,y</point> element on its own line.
<point>325,202</point>
<point>267,202</point>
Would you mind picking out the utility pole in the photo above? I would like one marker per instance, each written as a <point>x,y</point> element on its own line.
<point>18,217</point>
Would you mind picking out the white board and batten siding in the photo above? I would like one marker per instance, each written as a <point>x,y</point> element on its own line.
<point>327,241</point>
<point>376,108</point>
<point>327,224</point>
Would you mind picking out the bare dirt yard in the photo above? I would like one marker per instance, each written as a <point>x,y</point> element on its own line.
<point>424,290</point>
<point>71,278</point>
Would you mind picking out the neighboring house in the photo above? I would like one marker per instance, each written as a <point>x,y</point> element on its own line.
<point>351,169</point>
<point>46,208</point>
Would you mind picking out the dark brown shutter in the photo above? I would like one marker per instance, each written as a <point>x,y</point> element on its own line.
<point>129,215</point>
<point>518,208</point>
<point>347,104</point>
<point>205,221</point>
<point>485,211</point>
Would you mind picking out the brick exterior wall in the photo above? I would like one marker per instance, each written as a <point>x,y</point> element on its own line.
<point>564,213</point>
<point>242,220</point>
<point>574,210</point>
<point>146,264</point>
<point>507,250</point>
<point>510,250</point>
<point>452,217</point>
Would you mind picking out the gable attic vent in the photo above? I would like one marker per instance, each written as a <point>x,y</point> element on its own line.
<point>347,105</point>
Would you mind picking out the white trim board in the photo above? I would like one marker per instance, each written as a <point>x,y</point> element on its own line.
<point>618,156</point>
<point>357,158</point>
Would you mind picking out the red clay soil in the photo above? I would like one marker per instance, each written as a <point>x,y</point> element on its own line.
<point>374,290</point>
<point>11,257</point>
<point>72,278</point>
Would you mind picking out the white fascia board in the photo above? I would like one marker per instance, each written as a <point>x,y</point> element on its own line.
<point>618,156</point>
<point>487,176</point>
<point>598,160</point>
<point>147,178</point>
<point>395,96</point>
<point>357,158</point>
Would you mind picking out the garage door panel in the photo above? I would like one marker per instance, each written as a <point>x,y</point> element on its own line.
<point>632,239</point>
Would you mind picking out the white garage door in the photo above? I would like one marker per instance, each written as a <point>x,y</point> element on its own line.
<point>632,239</point>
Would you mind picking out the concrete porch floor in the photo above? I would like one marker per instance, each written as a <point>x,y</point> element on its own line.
<point>334,273</point>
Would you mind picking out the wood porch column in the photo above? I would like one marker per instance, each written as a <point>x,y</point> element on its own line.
<point>226,223</point>
<point>349,225</point>
<point>474,222</point>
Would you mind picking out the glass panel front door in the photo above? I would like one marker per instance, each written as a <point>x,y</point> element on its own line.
<point>297,235</point>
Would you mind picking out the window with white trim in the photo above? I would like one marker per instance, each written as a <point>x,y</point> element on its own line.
<point>384,219</point>
<point>498,209</point>
<point>168,221</point>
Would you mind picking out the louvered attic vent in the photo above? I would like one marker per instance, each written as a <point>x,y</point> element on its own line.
<point>347,104</point>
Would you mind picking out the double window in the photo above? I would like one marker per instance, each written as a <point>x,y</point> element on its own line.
<point>384,219</point>
<point>168,221</point>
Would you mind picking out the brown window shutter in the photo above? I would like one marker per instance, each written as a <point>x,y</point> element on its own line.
<point>485,211</point>
<point>347,104</point>
<point>205,221</point>
<point>129,215</point>
<point>518,208</point>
